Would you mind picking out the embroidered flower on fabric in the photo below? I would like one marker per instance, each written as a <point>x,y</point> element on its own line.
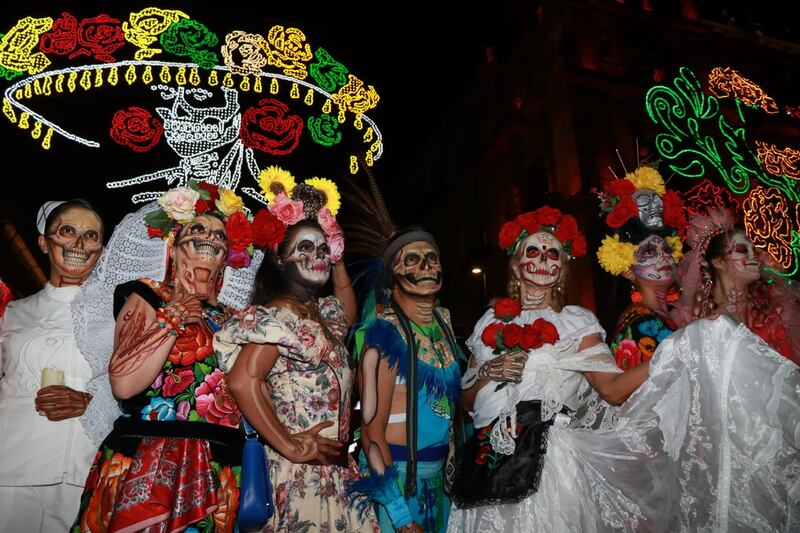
<point>159,409</point>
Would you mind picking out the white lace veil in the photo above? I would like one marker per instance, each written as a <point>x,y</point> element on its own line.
<point>130,255</point>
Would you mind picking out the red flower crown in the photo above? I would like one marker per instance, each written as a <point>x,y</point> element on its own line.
<point>616,201</point>
<point>563,227</point>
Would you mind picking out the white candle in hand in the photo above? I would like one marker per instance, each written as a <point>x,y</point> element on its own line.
<point>52,376</point>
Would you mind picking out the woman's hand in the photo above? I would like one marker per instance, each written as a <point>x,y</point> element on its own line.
<point>309,447</point>
<point>413,527</point>
<point>186,305</point>
<point>507,367</point>
<point>58,402</point>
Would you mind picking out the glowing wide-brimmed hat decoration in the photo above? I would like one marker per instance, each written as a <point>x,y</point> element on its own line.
<point>231,105</point>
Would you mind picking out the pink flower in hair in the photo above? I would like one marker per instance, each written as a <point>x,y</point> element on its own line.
<point>328,222</point>
<point>287,211</point>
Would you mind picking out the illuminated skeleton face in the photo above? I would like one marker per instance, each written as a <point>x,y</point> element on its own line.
<point>538,260</point>
<point>199,255</point>
<point>193,129</point>
<point>417,269</point>
<point>74,243</point>
<point>744,260</point>
<point>309,259</point>
<point>651,208</point>
<point>654,263</point>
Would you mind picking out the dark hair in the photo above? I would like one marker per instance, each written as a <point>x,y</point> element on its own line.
<point>387,279</point>
<point>635,231</point>
<point>269,282</point>
<point>66,206</point>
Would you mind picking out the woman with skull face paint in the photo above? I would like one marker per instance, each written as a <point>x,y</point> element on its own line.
<point>644,248</point>
<point>46,456</point>
<point>172,459</point>
<point>723,275</point>
<point>530,357</point>
<point>289,368</point>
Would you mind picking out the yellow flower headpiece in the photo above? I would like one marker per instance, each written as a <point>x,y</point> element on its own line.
<point>616,256</point>
<point>646,177</point>
<point>330,193</point>
<point>275,180</point>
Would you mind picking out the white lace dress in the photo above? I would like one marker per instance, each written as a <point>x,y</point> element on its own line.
<point>708,443</point>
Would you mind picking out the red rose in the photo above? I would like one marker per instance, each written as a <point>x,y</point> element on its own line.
<point>529,221</point>
<point>548,216</point>
<point>621,188</point>
<point>62,37</point>
<point>136,128</point>
<point>240,236</point>
<point>627,355</point>
<point>268,128</point>
<point>578,246</point>
<point>100,37</point>
<point>483,455</point>
<point>268,231</point>
<point>201,206</point>
<point>507,308</point>
<point>625,209</point>
<point>212,189</point>
<point>673,210</point>
<point>509,233</point>
<point>511,335</point>
<point>194,345</point>
<point>547,331</point>
<point>530,338</point>
<point>154,232</point>
<point>489,335</point>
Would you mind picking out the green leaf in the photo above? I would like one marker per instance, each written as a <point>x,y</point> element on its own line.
<point>201,371</point>
<point>193,416</point>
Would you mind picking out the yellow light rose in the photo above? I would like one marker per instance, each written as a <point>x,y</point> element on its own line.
<point>229,202</point>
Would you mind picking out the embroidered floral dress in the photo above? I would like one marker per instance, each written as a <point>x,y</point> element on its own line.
<point>310,383</point>
<point>172,461</point>
<point>638,333</point>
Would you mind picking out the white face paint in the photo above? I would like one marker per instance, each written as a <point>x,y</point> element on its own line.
<point>654,262</point>
<point>311,256</point>
<point>75,243</point>
<point>418,270</point>
<point>744,260</point>
<point>539,260</point>
<point>651,208</point>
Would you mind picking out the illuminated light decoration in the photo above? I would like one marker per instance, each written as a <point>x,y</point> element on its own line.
<point>23,121</point>
<point>37,88</point>
<point>273,86</point>
<point>60,83</point>
<point>368,159</point>
<point>353,164</point>
<point>270,128</point>
<point>213,78</point>
<point>309,98</point>
<point>16,46</point>
<point>194,76</point>
<point>130,74</point>
<point>729,83</point>
<point>144,27</point>
<point>693,154</point>
<point>98,78</point>
<point>227,81</point>
<point>704,196</point>
<point>324,130</point>
<point>342,116</point>
<point>368,135</point>
<point>164,74</point>
<point>286,48</point>
<point>779,161</point>
<point>189,38</point>
<point>97,37</point>
<point>86,80</point>
<point>355,97</point>
<point>243,54</point>
<point>357,124</point>
<point>327,106</point>
<point>257,85</point>
<point>8,111</point>
<point>47,138</point>
<point>180,77</point>
<point>8,74</point>
<point>327,72</point>
<point>36,132</point>
<point>245,84</point>
<point>113,76</point>
<point>48,81</point>
<point>28,91</point>
<point>71,80</point>
<point>294,92</point>
<point>768,223</point>
<point>147,75</point>
<point>136,128</point>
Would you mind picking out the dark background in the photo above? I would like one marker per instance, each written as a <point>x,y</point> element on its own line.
<point>487,110</point>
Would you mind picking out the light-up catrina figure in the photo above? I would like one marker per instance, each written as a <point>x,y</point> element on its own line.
<point>293,339</point>
<point>177,409</point>
<point>644,246</point>
<point>47,452</point>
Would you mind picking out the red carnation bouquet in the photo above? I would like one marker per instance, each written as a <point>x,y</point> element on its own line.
<point>505,336</point>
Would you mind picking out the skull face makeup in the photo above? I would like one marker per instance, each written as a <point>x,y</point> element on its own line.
<point>199,256</point>
<point>309,258</point>
<point>744,260</point>
<point>73,243</point>
<point>654,263</point>
<point>538,260</point>
<point>417,269</point>
<point>651,208</point>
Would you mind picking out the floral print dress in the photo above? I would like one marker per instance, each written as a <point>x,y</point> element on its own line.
<point>172,462</point>
<point>638,333</point>
<point>310,383</point>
